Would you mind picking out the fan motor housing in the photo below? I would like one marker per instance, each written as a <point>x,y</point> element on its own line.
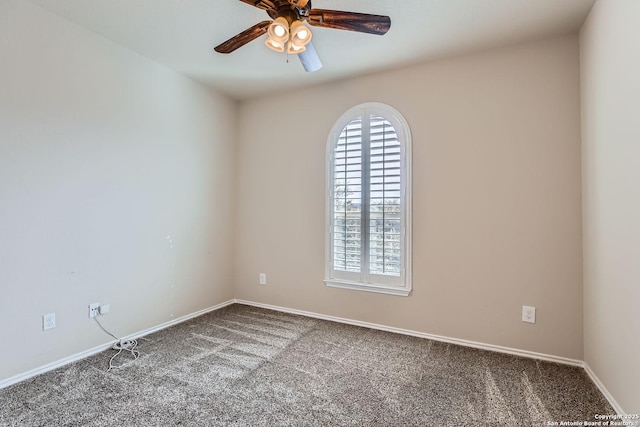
<point>290,11</point>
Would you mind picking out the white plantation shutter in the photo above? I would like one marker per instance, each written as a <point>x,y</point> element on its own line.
<point>368,203</point>
<point>347,190</point>
<point>384,198</point>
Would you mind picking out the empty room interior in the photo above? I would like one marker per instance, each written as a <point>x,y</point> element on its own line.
<point>193,199</point>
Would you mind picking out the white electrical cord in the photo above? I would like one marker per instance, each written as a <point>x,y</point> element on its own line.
<point>120,345</point>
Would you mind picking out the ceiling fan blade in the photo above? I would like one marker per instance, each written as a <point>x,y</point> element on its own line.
<point>243,38</point>
<point>352,21</point>
<point>262,4</point>
<point>310,59</point>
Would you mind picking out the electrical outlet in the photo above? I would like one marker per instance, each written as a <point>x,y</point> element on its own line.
<point>93,310</point>
<point>263,279</point>
<point>48,321</point>
<point>528,314</point>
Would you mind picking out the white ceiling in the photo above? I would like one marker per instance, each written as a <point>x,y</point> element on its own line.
<point>181,34</point>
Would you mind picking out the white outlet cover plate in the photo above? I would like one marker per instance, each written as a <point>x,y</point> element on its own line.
<point>48,321</point>
<point>528,314</point>
<point>93,310</point>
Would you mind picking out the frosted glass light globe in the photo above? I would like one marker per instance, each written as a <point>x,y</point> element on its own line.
<point>279,30</point>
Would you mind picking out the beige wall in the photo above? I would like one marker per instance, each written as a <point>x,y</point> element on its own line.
<point>117,181</point>
<point>610,66</point>
<point>497,204</point>
<point>103,154</point>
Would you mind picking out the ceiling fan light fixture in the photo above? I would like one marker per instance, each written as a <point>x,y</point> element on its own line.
<point>287,30</point>
<point>295,48</point>
<point>274,45</point>
<point>279,30</point>
<point>300,34</point>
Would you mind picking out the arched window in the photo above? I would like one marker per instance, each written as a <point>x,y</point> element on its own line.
<point>368,242</point>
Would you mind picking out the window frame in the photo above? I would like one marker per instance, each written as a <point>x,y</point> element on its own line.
<point>350,280</point>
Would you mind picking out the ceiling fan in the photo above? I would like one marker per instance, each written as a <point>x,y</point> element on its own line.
<point>287,31</point>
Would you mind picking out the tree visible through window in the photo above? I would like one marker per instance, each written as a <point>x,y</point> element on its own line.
<point>368,246</point>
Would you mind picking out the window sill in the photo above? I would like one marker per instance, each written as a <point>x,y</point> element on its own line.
<point>357,286</point>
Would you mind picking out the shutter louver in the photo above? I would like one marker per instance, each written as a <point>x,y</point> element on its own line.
<point>384,198</point>
<point>347,201</point>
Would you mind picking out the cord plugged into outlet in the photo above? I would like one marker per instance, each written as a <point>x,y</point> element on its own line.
<point>93,310</point>
<point>125,345</point>
<point>120,345</point>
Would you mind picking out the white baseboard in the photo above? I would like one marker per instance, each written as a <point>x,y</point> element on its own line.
<point>457,341</point>
<point>482,346</point>
<point>615,405</point>
<point>79,356</point>
<point>179,320</point>
<point>466,343</point>
<point>54,365</point>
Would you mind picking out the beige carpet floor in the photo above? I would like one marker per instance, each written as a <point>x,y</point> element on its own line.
<point>245,366</point>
